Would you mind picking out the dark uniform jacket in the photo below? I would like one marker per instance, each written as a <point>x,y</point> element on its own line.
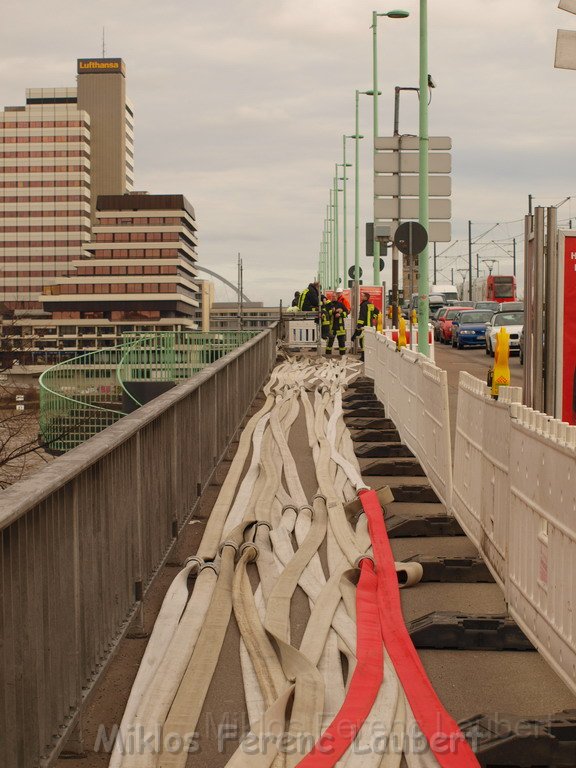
<point>336,312</point>
<point>366,313</point>
<point>309,299</point>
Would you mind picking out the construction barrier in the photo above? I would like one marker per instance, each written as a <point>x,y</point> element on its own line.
<point>481,468</point>
<point>392,334</point>
<point>542,536</point>
<point>514,496</point>
<point>513,489</point>
<point>302,333</point>
<point>414,393</point>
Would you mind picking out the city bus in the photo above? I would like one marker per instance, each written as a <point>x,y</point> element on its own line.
<point>501,288</point>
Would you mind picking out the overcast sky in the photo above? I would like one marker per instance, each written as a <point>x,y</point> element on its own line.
<point>241,106</point>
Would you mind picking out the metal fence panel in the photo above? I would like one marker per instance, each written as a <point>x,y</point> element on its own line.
<point>81,538</point>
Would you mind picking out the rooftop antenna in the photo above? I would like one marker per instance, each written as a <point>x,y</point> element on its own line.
<point>103,42</point>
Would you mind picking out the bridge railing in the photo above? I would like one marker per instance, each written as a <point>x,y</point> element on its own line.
<point>81,540</point>
<point>82,396</point>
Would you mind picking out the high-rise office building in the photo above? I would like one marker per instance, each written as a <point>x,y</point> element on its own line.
<point>141,264</point>
<point>58,153</point>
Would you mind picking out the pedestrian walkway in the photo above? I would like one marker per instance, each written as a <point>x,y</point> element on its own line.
<point>276,625</point>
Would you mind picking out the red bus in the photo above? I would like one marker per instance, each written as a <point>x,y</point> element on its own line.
<point>501,288</point>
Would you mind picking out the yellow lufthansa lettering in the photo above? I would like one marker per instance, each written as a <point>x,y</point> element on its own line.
<point>99,65</point>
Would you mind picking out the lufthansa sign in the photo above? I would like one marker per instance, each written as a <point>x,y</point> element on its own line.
<point>99,66</point>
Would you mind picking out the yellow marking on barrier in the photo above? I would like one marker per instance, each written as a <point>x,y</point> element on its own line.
<point>501,374</point>
<point>402,342</point>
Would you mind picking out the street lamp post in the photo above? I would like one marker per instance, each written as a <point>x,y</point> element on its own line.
<point>396,14</point>
<point>329,241</point>
<point>337,190</point>
<point>463,273</point>
<point>423,303</point>
<point>334,265</point>
<point>344,165</point>
<point>336,227</point>
<point>490,264</point>
<point>357,137</point>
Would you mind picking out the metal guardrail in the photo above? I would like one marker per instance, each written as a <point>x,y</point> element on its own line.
<point>82,396</point>
<point>81,540</point>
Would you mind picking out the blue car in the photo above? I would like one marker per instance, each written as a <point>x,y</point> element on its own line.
<point>469,328</point>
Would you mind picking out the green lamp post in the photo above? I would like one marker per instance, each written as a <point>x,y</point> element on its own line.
<point>344,215</point>
<point>395,14</point>
<point>423,302</point>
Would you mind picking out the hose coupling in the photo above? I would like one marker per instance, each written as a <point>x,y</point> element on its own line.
<point>359,559</point>
<point>251,548</point>
<point>211,564</point>
<point>194,559</point>
<point>227,543</point>
<point>307,507</point>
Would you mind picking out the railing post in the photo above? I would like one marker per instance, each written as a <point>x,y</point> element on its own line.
<point>137,629</point>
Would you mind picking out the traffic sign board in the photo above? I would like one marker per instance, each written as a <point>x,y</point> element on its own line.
<point>352,270</point>
<point>411,238</point>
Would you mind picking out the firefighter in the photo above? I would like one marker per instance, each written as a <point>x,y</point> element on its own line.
<point>367,316</point>
<point>309,299</point>
<point>337,313</point>
<point>325,317</point>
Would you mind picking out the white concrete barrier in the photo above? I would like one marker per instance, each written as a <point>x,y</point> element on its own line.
<point>414,393</point>
<point>480,495</point>
<point>514,493</point>
<point>512,489</point>
<point>541,586</point>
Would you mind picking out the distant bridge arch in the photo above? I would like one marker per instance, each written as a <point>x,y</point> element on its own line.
<point>222,280</point>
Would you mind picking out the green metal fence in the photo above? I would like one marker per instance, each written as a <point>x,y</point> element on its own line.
<point>82,396</point>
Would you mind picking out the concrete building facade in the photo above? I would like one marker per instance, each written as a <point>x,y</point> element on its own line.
<point>140,264</point>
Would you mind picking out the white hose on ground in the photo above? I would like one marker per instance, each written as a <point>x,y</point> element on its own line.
<point>263,514</point>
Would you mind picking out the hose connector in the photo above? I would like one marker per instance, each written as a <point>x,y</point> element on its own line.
<point>210,564</point>
<point>194,559</point>
<point>248,546</point>
<point>227,543</point>
<point>307,507</point>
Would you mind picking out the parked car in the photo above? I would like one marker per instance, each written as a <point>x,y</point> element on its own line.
<point>493,305</point>
<point>436,318</point>
<point>445,327</point>
<point>435,302</point>
<point>469,328</point>
<point>461,304</point>
<point>512,321</point>
<point>521,346</point>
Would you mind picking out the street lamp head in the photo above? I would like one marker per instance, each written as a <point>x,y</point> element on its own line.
<point>396,14</point>
<point>370,93</point>
<point>354,136</point>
